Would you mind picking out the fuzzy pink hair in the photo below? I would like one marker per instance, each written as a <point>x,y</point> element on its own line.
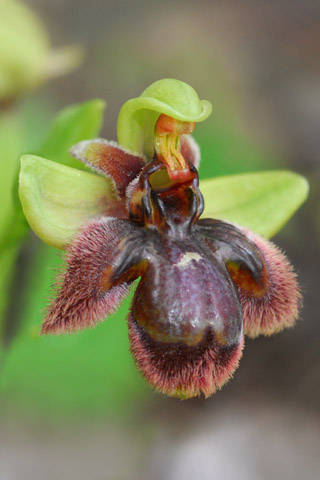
<point>80,303</point>
<point>182,371</point>
<point>279,307</point>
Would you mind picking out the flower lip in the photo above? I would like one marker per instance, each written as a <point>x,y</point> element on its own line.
<point>184,291</point>
<point>180,370</point>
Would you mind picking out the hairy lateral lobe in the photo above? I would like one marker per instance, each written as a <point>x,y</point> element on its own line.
<point>266,282</point>
<point>87,291</point>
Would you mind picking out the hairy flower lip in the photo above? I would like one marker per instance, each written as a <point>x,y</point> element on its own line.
<point>183,371</point>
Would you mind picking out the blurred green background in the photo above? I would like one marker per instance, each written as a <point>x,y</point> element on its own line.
<point>75,407</point>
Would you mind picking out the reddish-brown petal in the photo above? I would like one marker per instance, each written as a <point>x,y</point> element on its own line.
<point>267,284</point>
<point>183,371</point>
<point>86,293</point>
<point>190,150</point>
<point>111,160</point>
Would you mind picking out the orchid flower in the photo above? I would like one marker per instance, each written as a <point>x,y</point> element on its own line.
<point>204,283</point>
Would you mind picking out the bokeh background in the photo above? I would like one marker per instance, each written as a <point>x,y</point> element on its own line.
<point>75,408</point>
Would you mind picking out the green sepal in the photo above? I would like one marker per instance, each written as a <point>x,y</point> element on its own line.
<point>57,200</point>
<point>73,124</point>
<point>262,202</point>
<point>138,116</point>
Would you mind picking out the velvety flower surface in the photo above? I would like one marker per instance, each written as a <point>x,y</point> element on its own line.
<point>203,283</point>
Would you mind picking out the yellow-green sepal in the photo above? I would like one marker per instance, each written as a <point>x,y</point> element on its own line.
<point>138,116</point>
<point>58,200</point>
<point>262,202</point>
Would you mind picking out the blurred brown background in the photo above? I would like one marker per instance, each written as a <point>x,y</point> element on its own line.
<point>258,62</point>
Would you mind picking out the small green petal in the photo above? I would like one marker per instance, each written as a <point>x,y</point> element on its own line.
<point>138,116</point>
<point>57,200</point>
<point>262,202</point>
